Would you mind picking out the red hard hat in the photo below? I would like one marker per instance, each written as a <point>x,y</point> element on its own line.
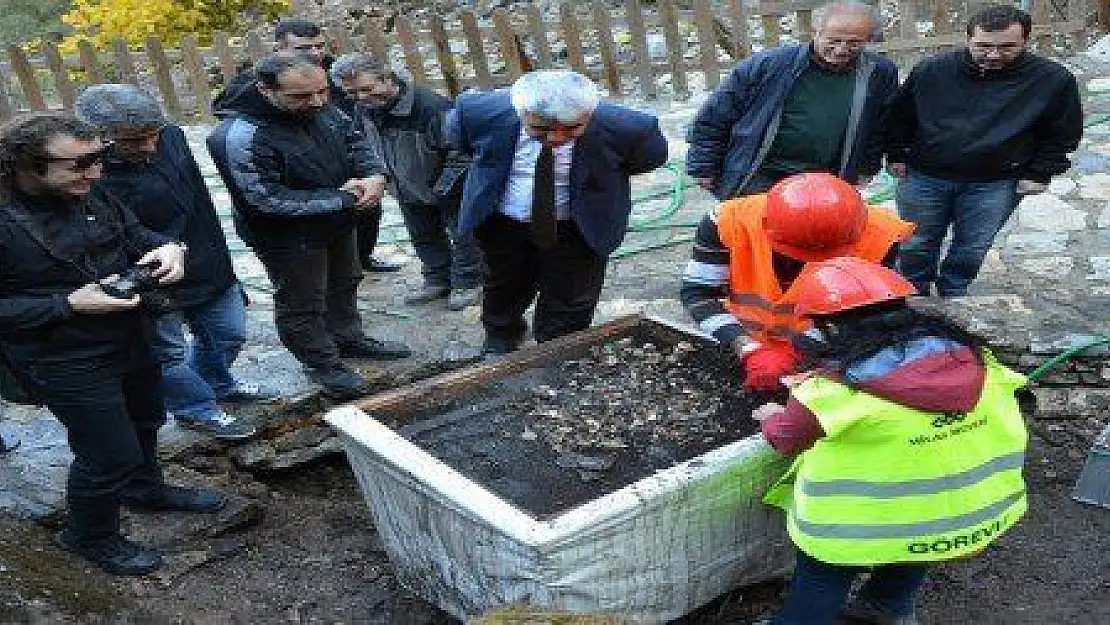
<point>839,284</point>
<point>814,216</point>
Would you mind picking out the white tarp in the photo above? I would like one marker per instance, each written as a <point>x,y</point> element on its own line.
<point>652,551</point>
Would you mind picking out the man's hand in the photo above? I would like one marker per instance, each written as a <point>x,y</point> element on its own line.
<point>169,262</point>
<point>898,170</point>
<point>769,409</point>
<point>1030,187</point>
<point>368,192</point>
<point>92,300</point>
<point>705,183</point>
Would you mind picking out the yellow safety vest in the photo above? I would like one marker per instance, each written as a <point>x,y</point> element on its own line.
<point>889,483</point>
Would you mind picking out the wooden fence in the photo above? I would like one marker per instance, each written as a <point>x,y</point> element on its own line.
<point>661,50</point>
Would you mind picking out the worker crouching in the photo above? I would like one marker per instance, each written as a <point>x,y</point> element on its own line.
<point>749,250</point>
<point>909,446</point>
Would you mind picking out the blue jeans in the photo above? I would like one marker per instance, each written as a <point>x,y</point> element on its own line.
<point>976,211</point>
<point>819,590</point>
<point>196,376</point>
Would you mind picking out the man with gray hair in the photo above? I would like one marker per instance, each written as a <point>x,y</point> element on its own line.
<point>150,169</point>
<point>796,108</point>
<point>548,197</point>
<point>406,119</point>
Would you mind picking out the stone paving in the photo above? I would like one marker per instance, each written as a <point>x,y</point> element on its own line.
<point>1045,286</point>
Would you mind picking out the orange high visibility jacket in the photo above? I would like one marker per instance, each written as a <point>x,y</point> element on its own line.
<point>754,289</point>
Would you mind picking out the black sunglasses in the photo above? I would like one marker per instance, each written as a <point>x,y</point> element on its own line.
<point>85,161</point>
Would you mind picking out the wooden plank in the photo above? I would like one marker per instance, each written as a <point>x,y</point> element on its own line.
<point>338,40</point>
<point>957,39</point>
<point>163,75</point>
<point>738,18</point>
<point>125,64</point>
<point>255,48</point>
<point>772,28</point>
<point>907,20</point>
<point>224,56</point>
<point>805,25</point>
<point>198,78</point>
<point>375,39</point>
<point>676,66</point>
<point>94,72</point>
<point>7,109</point>
<point>1077,12</point>
<point>942,18</point>
<point>444,56</point>
<point>707,42</point>
<point>634,13</point>
<point>572,34</point>
<point>62,84</point>
<point>538,31</point>
<point>413,59</point>
<point>1042,14</point>
<point>507,38</point>
<point>476,51</point>
<point>604,31</point>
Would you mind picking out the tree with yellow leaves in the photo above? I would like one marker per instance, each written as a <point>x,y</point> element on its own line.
<point>102,21</point>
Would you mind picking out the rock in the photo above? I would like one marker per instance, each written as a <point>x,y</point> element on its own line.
<point>239,514</point>
<point>1072,403</point>
<point>299,439</point>
<point>305,455</point>
<point>253,455</point>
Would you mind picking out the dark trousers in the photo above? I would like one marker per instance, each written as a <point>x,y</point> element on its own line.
<point>368,225</point>
<point>446,257</point>
<point>112,412</point>
<point>566,278</point>
<point>315,293</point>
<point>819,590</point>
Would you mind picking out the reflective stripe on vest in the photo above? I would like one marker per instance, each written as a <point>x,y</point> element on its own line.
<point>889,483</point>
<point>755,292</point>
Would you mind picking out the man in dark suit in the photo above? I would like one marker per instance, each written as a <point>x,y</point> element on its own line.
<point>548,197</point>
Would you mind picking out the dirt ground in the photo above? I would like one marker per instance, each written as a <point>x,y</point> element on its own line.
<point>314,558</point>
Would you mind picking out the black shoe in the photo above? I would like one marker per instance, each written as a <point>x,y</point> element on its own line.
<point>373,349</point>
<point>115,554</point>
<point>376,265</point>
<point>180,499</point>
<point>494,348</point>
<point>339,382</point>
<point>223,427</point>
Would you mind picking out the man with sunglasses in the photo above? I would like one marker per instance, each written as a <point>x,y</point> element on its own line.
<point>548,197</point>
<point>81,352</point>
<point>971,132</point>
<point>151,170</point>
<point>817,107</point>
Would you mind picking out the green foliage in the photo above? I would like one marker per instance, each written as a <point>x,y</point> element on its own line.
<point>26,20</point>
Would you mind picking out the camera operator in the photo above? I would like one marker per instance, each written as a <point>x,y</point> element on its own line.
<point>77,350</point>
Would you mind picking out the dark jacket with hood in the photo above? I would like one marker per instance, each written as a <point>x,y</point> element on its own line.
<point>88,239</point>
<point>228,100</point>
<point>413,145</point>
<point>931,374</point>
<point>735,128</point>
<point>283,171</point>
<point>168,195</point>
<point>955,121</point>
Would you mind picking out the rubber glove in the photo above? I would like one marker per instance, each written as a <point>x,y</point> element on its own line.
<point>765,366</point>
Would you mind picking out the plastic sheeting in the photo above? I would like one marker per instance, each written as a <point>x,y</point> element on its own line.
<point>651,552</point>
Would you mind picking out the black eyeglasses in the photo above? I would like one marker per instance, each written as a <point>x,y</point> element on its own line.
<point>84,161</point>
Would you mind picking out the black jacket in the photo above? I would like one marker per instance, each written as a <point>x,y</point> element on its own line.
<point>412,141</point>
<point>953,121</point>
<point>168,195</point>
<point>94,238</point>
<point>283,172</point>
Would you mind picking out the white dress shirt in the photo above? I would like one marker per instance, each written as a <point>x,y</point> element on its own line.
<point>517,201</point>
